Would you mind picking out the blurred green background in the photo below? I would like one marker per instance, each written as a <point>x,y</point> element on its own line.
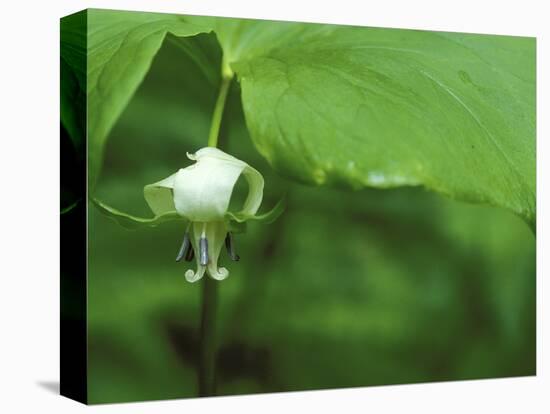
<point>347,288</point>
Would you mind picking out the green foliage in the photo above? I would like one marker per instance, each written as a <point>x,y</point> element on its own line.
<point>121,47</point>
<point>348,105</point>
<point>73,79</point>
<point>385,108</point>
<point>73,108</point>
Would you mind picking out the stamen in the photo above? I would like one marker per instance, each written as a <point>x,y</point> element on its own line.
<point>190,254</point>
<point>184,249</point>
<point>230,248</point>
<point>203,251</point>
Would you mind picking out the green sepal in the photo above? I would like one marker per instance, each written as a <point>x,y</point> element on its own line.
<point>132,222</point>
<point>235,226</point>
<point>266,218</point>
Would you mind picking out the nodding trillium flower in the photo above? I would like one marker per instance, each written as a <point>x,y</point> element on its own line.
<point>201,194</point>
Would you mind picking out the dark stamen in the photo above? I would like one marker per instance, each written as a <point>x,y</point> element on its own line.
<point>190,254</point>
<point>230,247</point>
<point>184,249</point>
<point>203,250</point>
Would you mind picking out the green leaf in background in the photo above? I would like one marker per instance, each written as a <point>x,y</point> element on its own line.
<point>73,44</point>
<point>385,107</point>
<point>121,47</point>
<point>73,79</point>
<point>353,106</point>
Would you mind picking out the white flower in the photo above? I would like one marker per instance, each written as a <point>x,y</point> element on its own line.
<point>201,193</point>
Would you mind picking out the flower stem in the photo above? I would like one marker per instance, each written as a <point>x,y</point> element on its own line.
<point>218,109</point>
<point>207,363</point>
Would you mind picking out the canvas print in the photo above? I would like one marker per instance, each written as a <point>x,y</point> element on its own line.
<point>253,206</point>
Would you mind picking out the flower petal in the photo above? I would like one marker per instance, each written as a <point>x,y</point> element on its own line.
<point>159,195</point>
<point>254,179</point>
<point>255,190</point>
<point>218,273</point>
<point>203,190</point>
<point>193,277</point>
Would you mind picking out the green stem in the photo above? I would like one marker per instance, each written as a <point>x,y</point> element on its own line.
<point>218,111</point>
<point>207,363</point>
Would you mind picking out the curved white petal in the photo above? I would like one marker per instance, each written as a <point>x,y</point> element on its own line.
<point>159,195</point>
<point>255,190</point>
<point>212,152</point>
<point>203,190</point>
<point>218,273</point>
<point>193,277</point>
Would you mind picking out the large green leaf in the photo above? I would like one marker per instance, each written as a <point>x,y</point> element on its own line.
<point>385,107</point>
<point>329,104</point>
<point>121,47</point>
<point>73,79</point>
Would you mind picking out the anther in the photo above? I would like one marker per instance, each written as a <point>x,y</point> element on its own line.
<point>203,251</point>
<point>230,248</point>
<point>184,249</point>
<point>190,254</point>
